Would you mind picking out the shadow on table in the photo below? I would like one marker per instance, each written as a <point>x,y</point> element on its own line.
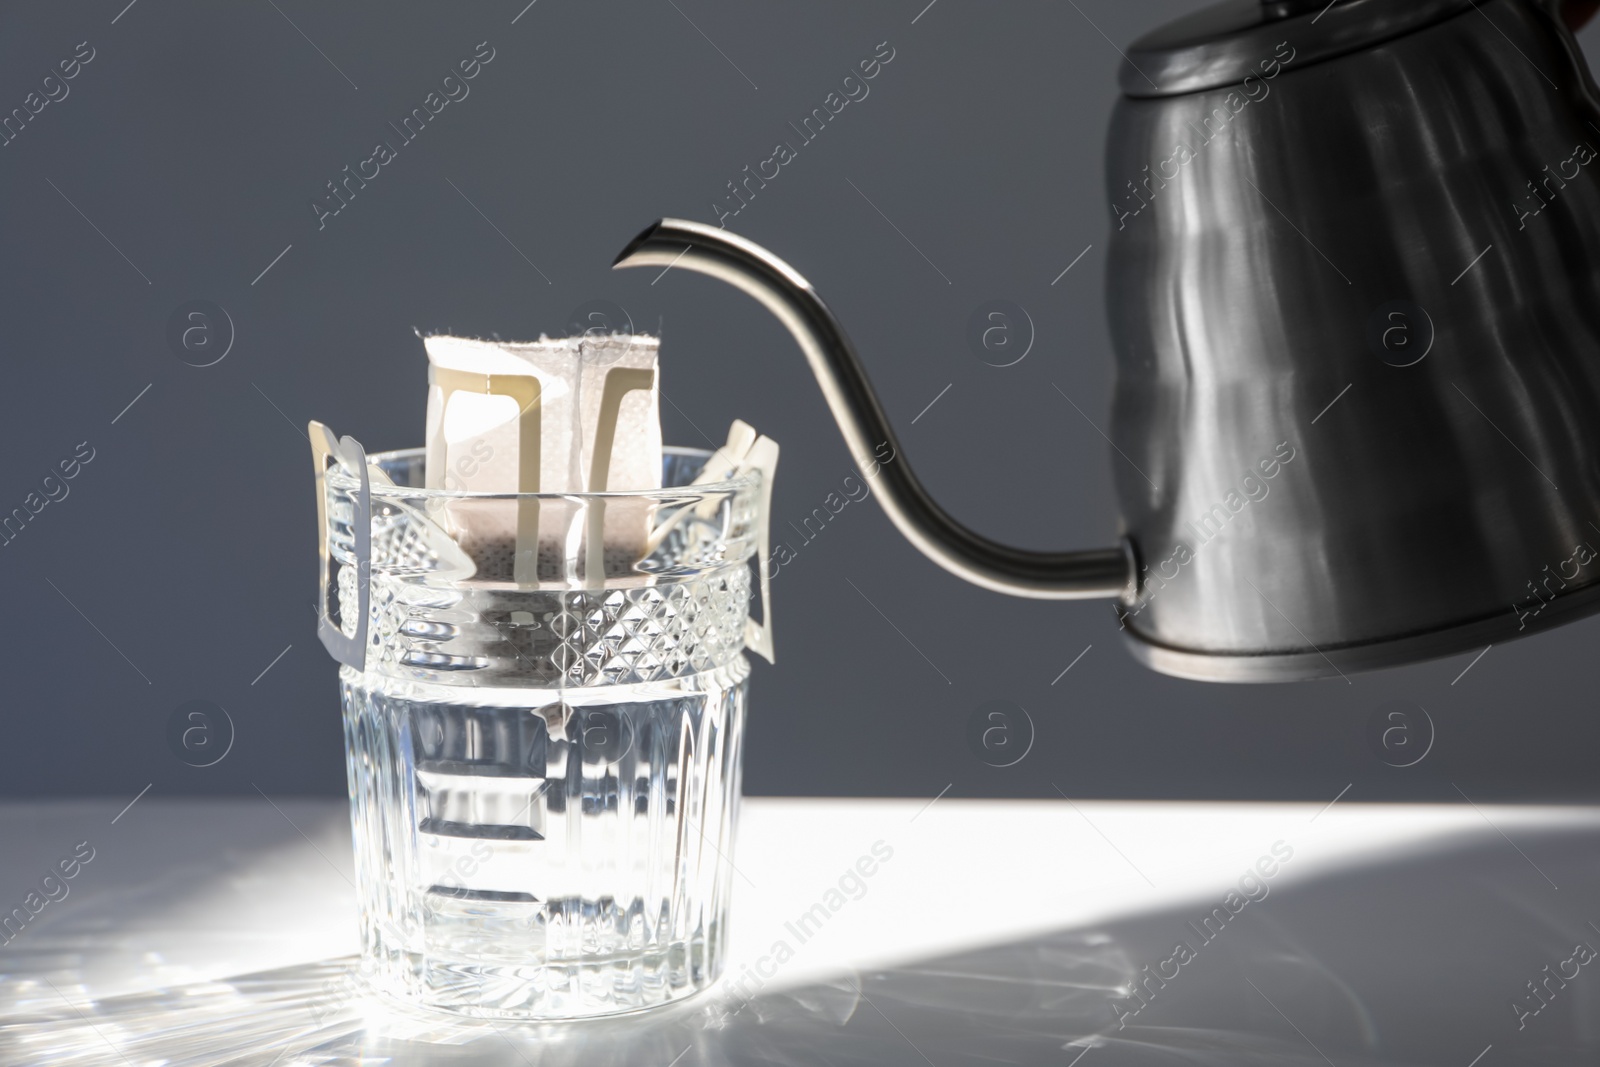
<point>1425,958</point>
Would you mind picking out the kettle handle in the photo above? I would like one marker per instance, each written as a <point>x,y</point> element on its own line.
<point>1103,572</point>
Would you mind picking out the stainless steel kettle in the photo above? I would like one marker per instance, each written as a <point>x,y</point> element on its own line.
<point>1354,292</point>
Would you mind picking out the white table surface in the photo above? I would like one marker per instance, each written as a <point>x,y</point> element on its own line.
<point>211,932</point>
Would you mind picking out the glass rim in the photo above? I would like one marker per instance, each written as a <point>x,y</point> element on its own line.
<point>338,479</point>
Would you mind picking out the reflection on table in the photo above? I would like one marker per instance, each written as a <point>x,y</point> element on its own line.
<point>996,933</point>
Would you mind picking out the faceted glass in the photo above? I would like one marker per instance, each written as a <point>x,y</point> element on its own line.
<point>544,777</point>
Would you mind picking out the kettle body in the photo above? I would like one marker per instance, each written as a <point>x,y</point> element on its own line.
<point>1354,295</point>
<point>1355,303</point>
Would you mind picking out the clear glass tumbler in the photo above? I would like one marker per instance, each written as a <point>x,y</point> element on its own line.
<point>544,777</point>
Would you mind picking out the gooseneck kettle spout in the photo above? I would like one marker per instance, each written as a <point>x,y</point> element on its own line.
<point>1106,572</point>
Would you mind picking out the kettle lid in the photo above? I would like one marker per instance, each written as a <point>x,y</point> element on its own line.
<point>1227,42</point>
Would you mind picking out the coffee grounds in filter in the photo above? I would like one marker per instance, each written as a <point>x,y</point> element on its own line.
<point>496,557</point>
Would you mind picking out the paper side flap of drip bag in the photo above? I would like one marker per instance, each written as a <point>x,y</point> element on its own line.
<point>743,452</point>
<point>762,456</point>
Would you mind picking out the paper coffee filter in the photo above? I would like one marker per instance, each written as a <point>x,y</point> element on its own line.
<point>567,415</point>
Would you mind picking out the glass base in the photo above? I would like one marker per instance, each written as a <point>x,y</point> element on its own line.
<point>544,854</point>
<point>619,984</point>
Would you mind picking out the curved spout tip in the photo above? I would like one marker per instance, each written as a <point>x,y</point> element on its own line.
<point>712,250</point>
<point>638,242</point>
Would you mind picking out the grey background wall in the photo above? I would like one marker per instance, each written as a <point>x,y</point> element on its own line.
<point>182,165</point>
